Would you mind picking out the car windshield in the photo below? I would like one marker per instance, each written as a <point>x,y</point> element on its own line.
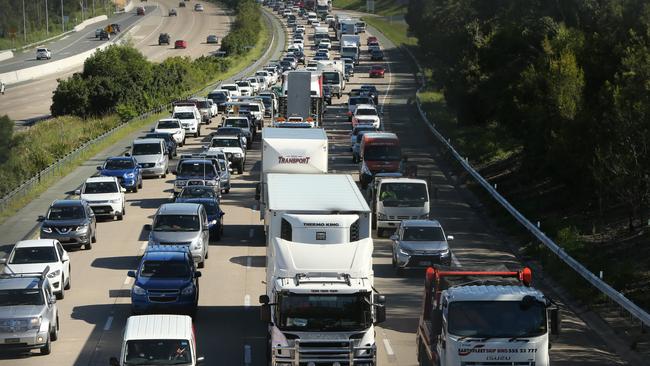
<point>31,255</point>
<point>225,143</point>
<point>168,124</point>
<point>382,152</point>
<point>403,194</point>
<point>100,187</point>
<point>317,313</point>
<point>423,233</point>
<point>369,88</point>
<point>236,122</point>
<point>197,192</point>
<point>243,84</point>
<point>378,68</point>
<point>176,223</point>
<point>366,112</point>
<point>184,115</point>
<point>158,352</point>
<point>66,213</point>
<point>203,104</point>
<point>146,149</point>
<point>118,164</point>
<point>21,297</point>
<point>497,319</point>
<point>218,97</point>
<point>165,269</point>
<point>196,169</point>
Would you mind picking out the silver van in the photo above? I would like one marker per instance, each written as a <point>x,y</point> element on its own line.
<point>152,156</point>
<point>182,224</point>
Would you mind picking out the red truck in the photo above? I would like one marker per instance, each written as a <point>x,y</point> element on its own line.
<point>380,152</point>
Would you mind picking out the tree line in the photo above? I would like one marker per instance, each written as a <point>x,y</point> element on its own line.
<point>569,79</point>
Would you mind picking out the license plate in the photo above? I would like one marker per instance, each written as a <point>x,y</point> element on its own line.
<point>424,263</point>
<point>12,340</point>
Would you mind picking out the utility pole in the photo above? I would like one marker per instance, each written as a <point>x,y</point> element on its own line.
<point>62,18</point>
<point>47,21</point>
<point>24,24</point>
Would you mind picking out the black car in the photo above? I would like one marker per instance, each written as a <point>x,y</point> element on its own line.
<point>377,55</point>
<point>286,65</point>
<point>104,35</point>
<point>163,38</point>
<point>71,222</point>
<point>232,131</point>
<point>372,91</point>
<point>169,141</point>
<point>300,56</point>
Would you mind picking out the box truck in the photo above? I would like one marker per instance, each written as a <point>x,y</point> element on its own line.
<point>302,97</point>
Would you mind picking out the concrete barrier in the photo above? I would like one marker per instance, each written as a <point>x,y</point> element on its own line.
<point>88,22</point>
<point>5,55</point>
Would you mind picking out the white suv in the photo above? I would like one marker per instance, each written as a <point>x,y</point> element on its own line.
<point>43,53</point>
<point>366,114</point>
<point>104,195</point>
<point>172,126</point>
<point>190,118</point>
<point>233,89</point>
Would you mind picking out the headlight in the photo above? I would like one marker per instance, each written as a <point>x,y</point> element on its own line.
<point>181,182</point>
<point>238,155</point>
<point>117,200</point>
<point>82,229</point>
<point>210,183</point>
<point>54,274</point>
<point>444,253</point>
<point>365,170</point>
<point>178,132</point>
<point>403,252</point>
<point>197,244</point>
<point>188,290</point>
<point>46,229</point>
<point>137,290</point>
<point>35,322</point>
<point>129,175</point>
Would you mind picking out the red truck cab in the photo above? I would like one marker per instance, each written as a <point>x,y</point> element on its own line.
<point>380,152</point>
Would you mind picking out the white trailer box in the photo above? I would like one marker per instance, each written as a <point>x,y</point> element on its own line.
<point>291,150</point>
<point>350,46</point>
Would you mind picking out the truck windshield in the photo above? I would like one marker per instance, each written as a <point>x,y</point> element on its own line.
<point>496,319</point>
<point>158,352</point>
<point>118,164</point>
<point>403,194</point>
<point>225,143</point>
<point>423,233</point>
<point>165,269</point>
<point>146,149</point>
<point>196,170</point>
<point>366,112</point>
<point>331,78</point>
<point>329,313</point>
<point>66,213</point>
<point>382,152</point>
<point>168,124</point>
<point>176,223</point>
<point>100,187</point>
<point>21,297</point>
<point>347,50</point>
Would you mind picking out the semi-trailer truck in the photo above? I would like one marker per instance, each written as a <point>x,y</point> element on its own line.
<point>302,97</point>
<point>320,304</point>
<point>482,322</point>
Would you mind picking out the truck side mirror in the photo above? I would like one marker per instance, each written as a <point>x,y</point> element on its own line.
<point>436,322</point>
<point>99,168</point>
<point>380,309</point>
<point>113,361</point>
<point>130,274</point>
<point>147,227</point>
<point>265,313</point>
<point>394,237</point>
<point>554,315</point>
<point>40,218</point>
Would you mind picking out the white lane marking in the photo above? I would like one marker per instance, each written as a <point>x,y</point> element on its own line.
<point>389,349</point>
<point>143,246</point>
<point>249,262</point>
<point>64,37</point>
<point>247,354</point>
<point>455,261</point>
<point>109,322</point>
<point>127,280</point>
<point>251,233</point>
<point>247,301</point>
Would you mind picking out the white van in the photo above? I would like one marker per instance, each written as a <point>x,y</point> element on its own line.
<point>158,340</point>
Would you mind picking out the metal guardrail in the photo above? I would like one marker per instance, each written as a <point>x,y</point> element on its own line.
<point>594,280</point>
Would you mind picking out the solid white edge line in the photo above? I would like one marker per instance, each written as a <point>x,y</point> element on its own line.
<point>389,349</point>
<point>247,354</point>
<point>247,300</point>
<point>109,322</point>
<point>249,262</point>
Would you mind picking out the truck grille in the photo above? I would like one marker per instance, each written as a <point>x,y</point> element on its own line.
<point>13,325</point>
<point>146,165</point>
<point>323,353</point>
<point>163,295</point>
<point>102,209</point>
<point>402,217</point>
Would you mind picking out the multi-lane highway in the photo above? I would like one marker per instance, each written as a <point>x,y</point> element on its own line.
<point>228,329</point>
<point>32,100</point>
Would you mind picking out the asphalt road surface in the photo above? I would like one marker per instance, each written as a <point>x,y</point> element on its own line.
<point>29,101</point>
<point>229,332</point>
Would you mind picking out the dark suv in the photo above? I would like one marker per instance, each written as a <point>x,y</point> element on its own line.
<point>71,222</point>
<point>163,38</point>
<point>165,281</point>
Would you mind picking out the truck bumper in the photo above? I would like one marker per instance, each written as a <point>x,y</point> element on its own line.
<point>23,341</point>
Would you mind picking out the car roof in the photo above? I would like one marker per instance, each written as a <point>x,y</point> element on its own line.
<point>168,119</point>
<point>100,179</point>
<point>67,203</point>
<point>366,106</point>
<point>421,223</point>
<point>147,141</point>
<point>178,208</point>
<point>200,200</point>
<point>158,326</point>
<point>35,243</point>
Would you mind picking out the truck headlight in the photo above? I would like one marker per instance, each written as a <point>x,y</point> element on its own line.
<point>402,251</point>
<point>137,290</point>
<point>178,132</point>
<point>238,155</point>
<point>188,290</point>
<point>35,322</point>
<point>210,183</point>
<point>197,244</point>
<point>46,229</point>
<point>445,253</point>
<point>180,183</point>
<point>82,229</point>
<point>117,200</point>
<point>54,273</point>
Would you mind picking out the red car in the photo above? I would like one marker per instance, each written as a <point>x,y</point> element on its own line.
<point>377,71</point>
<point>372,39</point>
<point>180,44</point>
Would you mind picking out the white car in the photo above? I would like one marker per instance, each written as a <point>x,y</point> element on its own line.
<point>233,88</point>
<point>315,24</point>
<point>325,43</point>
<point>286,13</point>
<point>245,88</point>
<point>268,79</point>
<point>43,53</point>
<point>190,118</point>
<point>366,114</point>
<point>255,84</point>
<point>329,19</point>
<point>104,195</point>
<point>172,126</point>
<point>33,256</point>
<point>311,17</point>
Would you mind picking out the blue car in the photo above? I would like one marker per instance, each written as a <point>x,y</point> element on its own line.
<point>212,209</point>
<point>126,169</point>
<point>166,282</point>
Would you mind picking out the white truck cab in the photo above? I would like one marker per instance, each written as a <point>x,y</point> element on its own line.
<point>190,118</point>
<point>394,199</point>
<point>157,340</point>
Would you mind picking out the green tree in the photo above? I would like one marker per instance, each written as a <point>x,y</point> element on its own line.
<point>6,136</point>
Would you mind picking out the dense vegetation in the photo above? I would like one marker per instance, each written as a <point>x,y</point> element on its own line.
<point>245,31</point>
<point>568,79</point>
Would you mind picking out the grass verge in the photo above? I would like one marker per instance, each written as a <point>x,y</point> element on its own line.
<point>382,7</point>
<point>396,31</point>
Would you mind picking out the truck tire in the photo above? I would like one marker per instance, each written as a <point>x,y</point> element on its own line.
<point>47,348</point>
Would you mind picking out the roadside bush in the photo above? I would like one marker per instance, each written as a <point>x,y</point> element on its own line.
<point>245,30</point>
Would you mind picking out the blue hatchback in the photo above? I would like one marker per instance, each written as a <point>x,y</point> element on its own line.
<point>212,209</point>
<point>126,169</point>
<point>166,281</point>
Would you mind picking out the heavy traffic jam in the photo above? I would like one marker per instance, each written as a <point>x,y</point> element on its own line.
<point>320,304</point>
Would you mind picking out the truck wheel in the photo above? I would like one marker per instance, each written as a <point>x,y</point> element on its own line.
<point>47,348</point>
<point>54,333</point>
<point>201,264</point>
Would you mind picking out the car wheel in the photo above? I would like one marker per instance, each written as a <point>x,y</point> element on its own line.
<point>47,348</point>
<point>120,216</point>
<point>240,168</point>
<point>201,264</point>
<point>227,190</point>
<point>69,284</point>
<point>61,295</point>
<point>54,333</point>
<point>140,184</point>
<point>88,246</point>
<point>135,189</point>
<point>93,239</point>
